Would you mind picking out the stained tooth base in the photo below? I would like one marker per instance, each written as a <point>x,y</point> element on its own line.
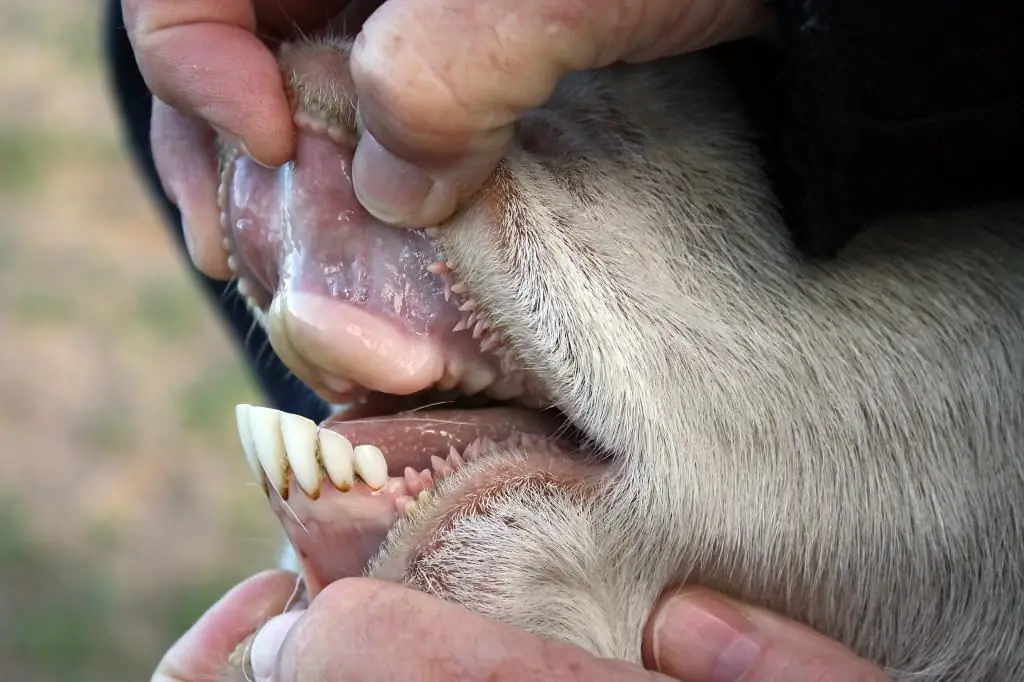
<point>335,535</point>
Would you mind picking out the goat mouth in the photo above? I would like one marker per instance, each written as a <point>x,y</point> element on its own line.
<point>340,487</point>
<point>410,430</point>
<point>352,305</point>
<point>372,317</point>
<point>368,315</point>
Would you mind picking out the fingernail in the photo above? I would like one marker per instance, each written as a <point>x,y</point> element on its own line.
<point>696,636</point>
<point>242,147</point>
<point>267,645</point>
<point>259,162</point>
<point>392,190</point>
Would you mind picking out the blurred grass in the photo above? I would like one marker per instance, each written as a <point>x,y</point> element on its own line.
<point>27,152</point>
<point>63,622</point>
<point>106,432</point>
<point>169,310</point>
<point>39,306</point>
<point>21,160</point>
<point>126,507</point>
<point>203,403</point>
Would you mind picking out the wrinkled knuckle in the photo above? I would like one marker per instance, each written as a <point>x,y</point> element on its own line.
<point>575,36</point>
<point>417,96</point>
<point>153,44</point>
<point>146,22</point>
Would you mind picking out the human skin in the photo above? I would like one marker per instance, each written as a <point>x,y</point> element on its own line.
<point>434,130</point>
<point>694,636</point>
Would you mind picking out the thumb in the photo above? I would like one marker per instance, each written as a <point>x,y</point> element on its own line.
<point>202,652</point>
<point>441,82</point>
<point>698,636</point>
<point>266,646</point>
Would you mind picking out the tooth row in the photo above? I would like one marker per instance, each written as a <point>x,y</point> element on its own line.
<point>420,486</point>
<point>246,289</point>
<point>510,381</point>
<point>223,189</point>
<point>315,122</point>
<point>473,318</point>
<point>279,445</point>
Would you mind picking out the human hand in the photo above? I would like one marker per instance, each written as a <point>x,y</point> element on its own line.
<point>354,628</point>
<point>437,114</point>
<point>201,653</point>
<point>210,67</point>
<point>700,636</point>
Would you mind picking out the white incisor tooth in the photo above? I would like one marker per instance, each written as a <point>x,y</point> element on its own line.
<point>336,454</point>
<point>265,426</point>
<point>245,435</point>
<point>371,465</point>
<point>299,436</point>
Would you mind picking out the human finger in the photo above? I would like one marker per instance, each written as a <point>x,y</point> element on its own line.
<point>438,114</point>
<point>698,636</point>
<point>185,157</point>
<point>205,59</point>
<point>354,629</point>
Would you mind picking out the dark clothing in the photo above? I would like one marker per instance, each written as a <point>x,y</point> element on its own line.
<point>879,106</point>
<point>870,107</point>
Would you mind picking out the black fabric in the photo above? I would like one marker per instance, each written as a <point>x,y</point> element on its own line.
<point>880,106</point>
<point>134,103</point>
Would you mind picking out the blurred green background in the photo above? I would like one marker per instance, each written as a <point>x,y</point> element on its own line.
<point>126,507</point>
